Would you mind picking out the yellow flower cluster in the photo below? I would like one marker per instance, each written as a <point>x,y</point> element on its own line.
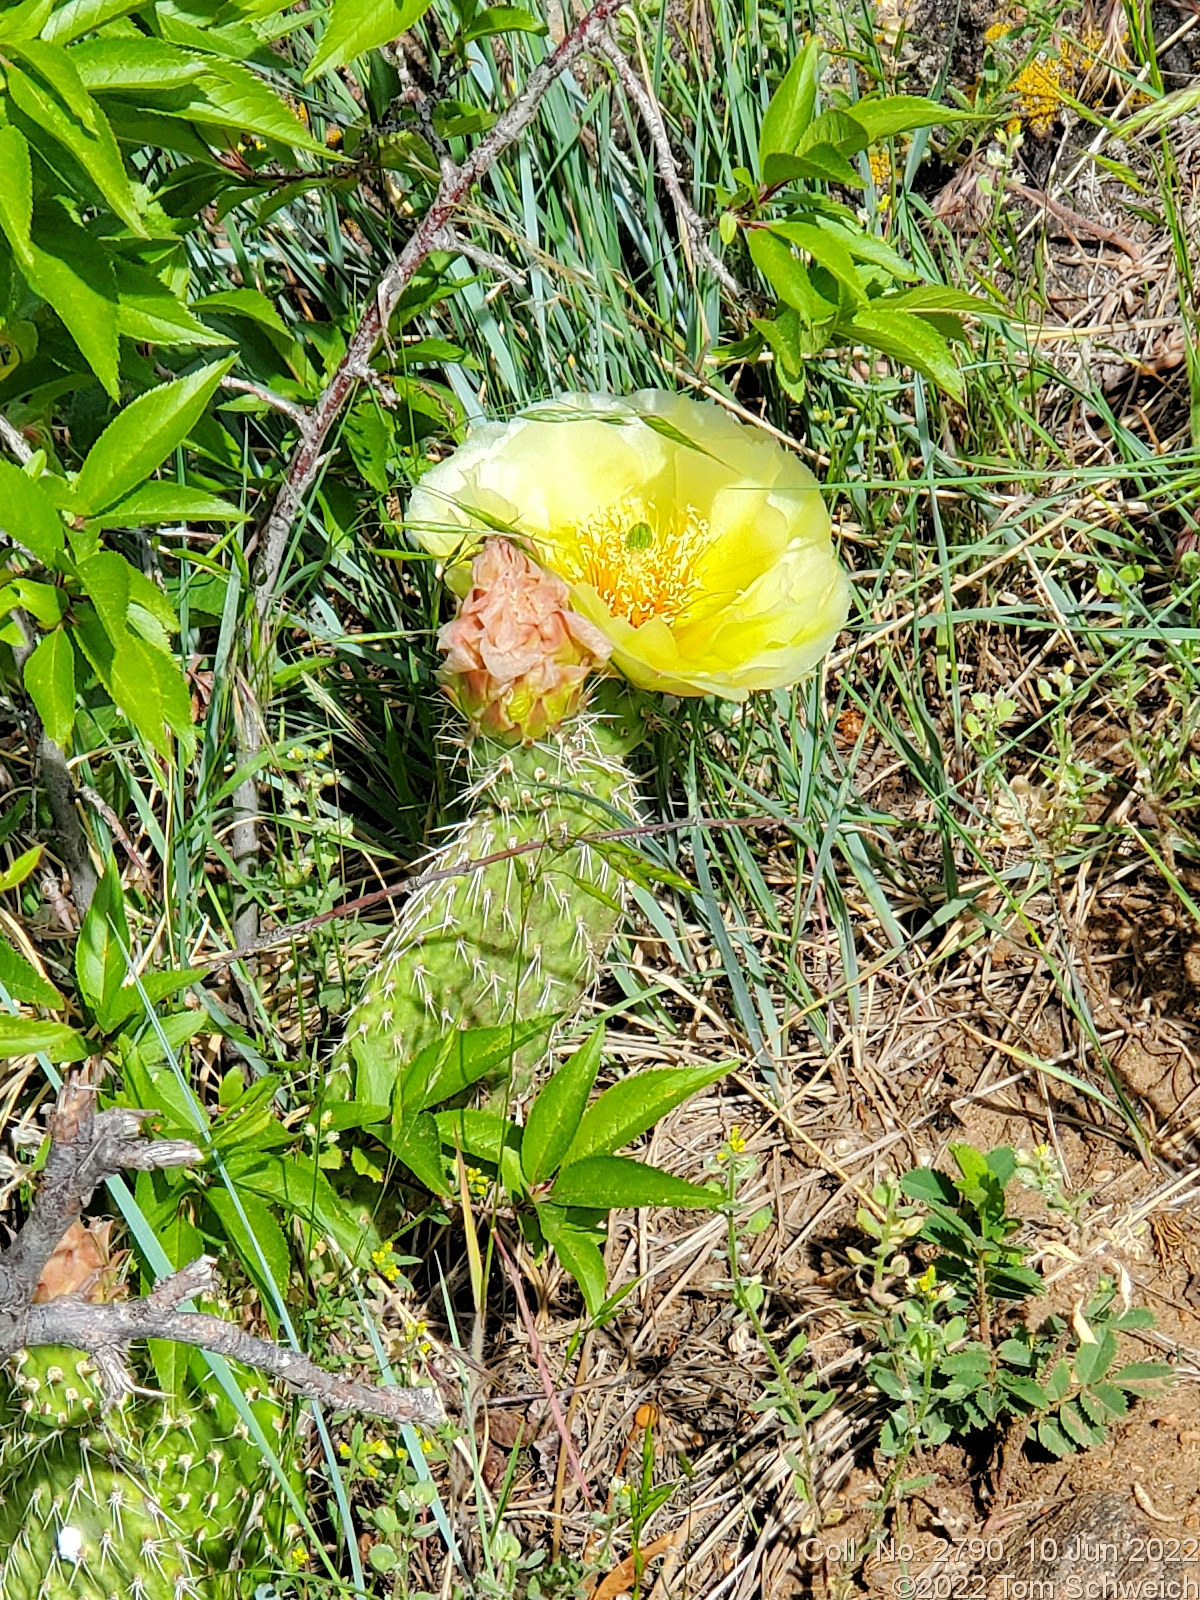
<point>1039,90</point>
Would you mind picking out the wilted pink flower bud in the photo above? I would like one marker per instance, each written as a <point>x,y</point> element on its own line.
<point>516,655</point>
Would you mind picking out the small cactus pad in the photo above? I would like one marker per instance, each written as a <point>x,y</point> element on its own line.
<point>525,934</point>
<point>153,1503</point>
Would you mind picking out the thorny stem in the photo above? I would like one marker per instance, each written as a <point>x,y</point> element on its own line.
<point>87,1147</point>
<point>694,229</point>
<point>355,367</point>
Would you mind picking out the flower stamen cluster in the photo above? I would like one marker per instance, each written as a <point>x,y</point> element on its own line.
<point>640,561</point>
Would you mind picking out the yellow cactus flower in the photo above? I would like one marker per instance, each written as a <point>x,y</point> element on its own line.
<point>695,544</point>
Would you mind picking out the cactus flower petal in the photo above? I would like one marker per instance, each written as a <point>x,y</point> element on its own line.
<point>516,654</point>
<point>697,547</point>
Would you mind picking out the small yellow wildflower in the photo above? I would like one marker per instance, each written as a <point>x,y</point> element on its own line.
<point>927,1282</point>
<point>737,1140</point>
<point>477,1183</point>
<point>880,163</point>
<point>385,1264</point>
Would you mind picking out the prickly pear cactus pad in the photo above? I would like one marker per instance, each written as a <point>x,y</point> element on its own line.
<point>160,1502</point>
<point>525,934</point>
<point>150,1499</point>
<point>523,931</point>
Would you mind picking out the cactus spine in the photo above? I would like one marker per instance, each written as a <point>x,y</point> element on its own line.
<point>524,935</point>
<point>155,1502</point>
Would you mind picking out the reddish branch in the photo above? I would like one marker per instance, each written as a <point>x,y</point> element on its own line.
<point>86,1147</point>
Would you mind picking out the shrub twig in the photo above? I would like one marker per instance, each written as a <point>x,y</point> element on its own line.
<point>86,1147</point>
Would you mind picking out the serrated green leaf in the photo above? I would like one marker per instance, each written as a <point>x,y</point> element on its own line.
<point>148,312</point>
<point>247,303</point>
<point>886,115</point>
<point>555,1115</point>
<point>822,163</point>
<point>161,501</point>
<point>63,266</point>
<point>605,1182</point>
<point>1052,1438</point>
<point>836,130</point>
<point>578,1253</point>
<point>356,26</point>
<point>1079,1432</point>
<point>1114,1401</point>
<point>1015,1352</point>
<point>50,683</point>
<point>1140,1372</point>
<point>128,65</point>
<point>141,436</point>
<point>502,19</point>
<point>1024,1388</point>
<point>16,191</point>
<point>1058,1380</point>
<point>1092,1361</point>
<point>77,17</point>
<point>630,1107</point>
<point>826,249</point>
<point>54,102</point>
<point>24,20</point>
<point>231,96</point>
<point>791,107</point>
<point>789,278</point>
<point>27,514</point>
<point>909,340</point>
<point>929,298</point>
<point>23,981</point>
<point>24,1036</point>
